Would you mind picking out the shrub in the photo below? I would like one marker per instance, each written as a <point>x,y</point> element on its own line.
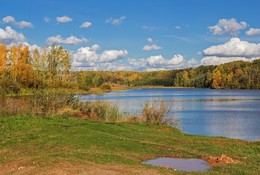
<point>57,103</point>
<point>155,113</point>
<point>9,86</point>
<point>97,81</point>
<point>133,119</point>
<point>69,112</point>
<point>104,111</point>
<point>105,87</point>
<point>47,103</point>
<point>14,106</point>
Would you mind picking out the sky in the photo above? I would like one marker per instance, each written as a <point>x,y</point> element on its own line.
<point>136,35</point>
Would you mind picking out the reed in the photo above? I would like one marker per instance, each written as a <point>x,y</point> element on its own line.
<point>155,113</point>
<point>57,103</point>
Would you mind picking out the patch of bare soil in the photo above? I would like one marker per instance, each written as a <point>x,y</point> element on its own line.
<point>25,166</point>
<point>166,129</point>
<point>223,159</point>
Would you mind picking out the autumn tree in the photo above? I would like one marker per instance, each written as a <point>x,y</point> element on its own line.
<point>186,79</point>
<point>21,70</point>
<point>216,79</point>
<point>39,61</point>
<point>85,80</point>
<point>97,81</point>
<point>25,75</point>
<point>207,80</point>
<point>3,60</point>
<point>58,64</point>
<point>240,78</point>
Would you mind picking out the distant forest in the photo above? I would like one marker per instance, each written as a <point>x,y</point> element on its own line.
<point>233,75</point>
<point>21,68</point>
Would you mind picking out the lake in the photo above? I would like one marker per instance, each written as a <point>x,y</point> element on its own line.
<point>227,113</point>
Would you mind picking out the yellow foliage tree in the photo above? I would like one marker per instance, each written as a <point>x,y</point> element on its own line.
<point>25,75</point>
<point>21,69</point>
<point>3,60</point>
<point>217,80</point>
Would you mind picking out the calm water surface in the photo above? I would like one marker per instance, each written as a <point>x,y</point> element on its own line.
<point>228,113</point>
<point>180,164</point>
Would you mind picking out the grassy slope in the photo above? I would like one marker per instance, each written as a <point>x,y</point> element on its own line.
<point>74,140</point>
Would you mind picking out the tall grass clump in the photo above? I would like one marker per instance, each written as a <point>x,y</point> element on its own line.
<point>106,111</point>
<point>49,103</point>
<point>99,110</point>
<point>9,88</point>
<point>155,113</point>
<point>57,103</point>
<point>41,103</point>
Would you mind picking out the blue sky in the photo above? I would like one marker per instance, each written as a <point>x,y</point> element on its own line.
<point>136,35</point>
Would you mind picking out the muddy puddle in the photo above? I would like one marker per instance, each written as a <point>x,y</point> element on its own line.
<point>180,164</point>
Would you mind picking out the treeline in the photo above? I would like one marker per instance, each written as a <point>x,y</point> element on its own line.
<point>22,68</point>
<point>234,75</point>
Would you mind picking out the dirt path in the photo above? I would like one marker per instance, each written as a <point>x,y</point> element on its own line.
<point>28,167</point>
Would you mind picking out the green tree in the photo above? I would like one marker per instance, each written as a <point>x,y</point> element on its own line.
<point>58,61</point>
<point>208,79</point>
<point>98,81</point>
<point>85,80</point>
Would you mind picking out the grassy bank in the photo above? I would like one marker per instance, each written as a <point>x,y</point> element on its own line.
<point>31,145</point>
<point>94,90</point>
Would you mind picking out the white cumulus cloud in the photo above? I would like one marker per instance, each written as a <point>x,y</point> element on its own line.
<point>227,26</point>
<point>233,50</point>
<point>107,66</point>
<point>158,62</point>
<point>63,19</point>
<point>111,55</point>
<point>86,24</point>
<point>176,60</point>
<point>151,45</point>
<point>150,40</point>
<point>31,47</point>
<point>253,32</point>
<point>21,24</point>
<point>8,35</point>
<point>8,19</point>
<point>88,58</point>
<point>72,40</point>
<point>215,60</point>
<point>24,24</point>
<point>117,21</point>
<point>192,62</point>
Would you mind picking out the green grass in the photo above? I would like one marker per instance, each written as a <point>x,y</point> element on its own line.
<point>75,140</point>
